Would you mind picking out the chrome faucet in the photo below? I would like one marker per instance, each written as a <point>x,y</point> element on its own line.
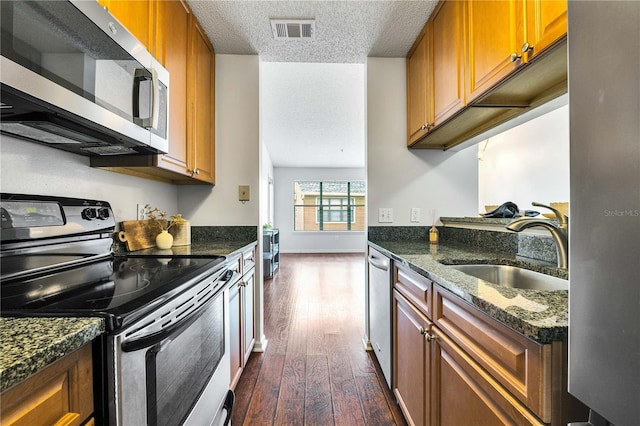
<point>559,232</point>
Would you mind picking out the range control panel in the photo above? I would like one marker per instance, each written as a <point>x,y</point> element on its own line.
<point>29,217</point>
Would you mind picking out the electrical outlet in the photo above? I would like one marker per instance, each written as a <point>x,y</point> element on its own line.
<point>385,215</point>
<point>140,214</point>
<point>415,214</point>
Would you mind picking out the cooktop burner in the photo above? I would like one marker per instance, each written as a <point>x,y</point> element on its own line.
<point>117,288</point>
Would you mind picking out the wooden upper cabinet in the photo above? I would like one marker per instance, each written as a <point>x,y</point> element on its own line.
<point>136,16</point>
<point>495,31</point>
<point>171,49</point>
<point>447,65</point>
<point>201,150</point>
<point>419,114</point>
<point>546,24</point>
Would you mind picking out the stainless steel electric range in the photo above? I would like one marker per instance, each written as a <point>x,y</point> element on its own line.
<point>164,359</point>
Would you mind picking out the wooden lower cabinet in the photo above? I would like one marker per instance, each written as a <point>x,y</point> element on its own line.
<point>455,365</point>
<point>241,313</point>
<point>412,359</point>
<point>465,394</point>
<point>59,394</point>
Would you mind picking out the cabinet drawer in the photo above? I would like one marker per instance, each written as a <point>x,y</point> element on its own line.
<point>235,264</point>
<point>414,287</point>
<point>248,260</point>
<point>466,393</point>
<point>521,365</point>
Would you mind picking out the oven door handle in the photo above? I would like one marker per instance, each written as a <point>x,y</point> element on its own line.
<point>153,339</point>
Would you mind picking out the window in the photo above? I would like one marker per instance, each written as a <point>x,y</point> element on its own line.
<point>329,205</point>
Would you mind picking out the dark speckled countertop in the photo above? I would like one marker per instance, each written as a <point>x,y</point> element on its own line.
<point>29,344</point>
<point>201,248</point>
<point>539,315</point>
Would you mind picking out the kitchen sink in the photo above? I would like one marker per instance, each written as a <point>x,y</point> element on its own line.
<point>513,277</point>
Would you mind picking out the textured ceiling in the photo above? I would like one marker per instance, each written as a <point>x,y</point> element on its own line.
<point>312,91</point>
<point>313,114</point>
<point>346,31</point>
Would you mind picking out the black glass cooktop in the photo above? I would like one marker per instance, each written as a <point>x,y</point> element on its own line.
<point>119,289</point>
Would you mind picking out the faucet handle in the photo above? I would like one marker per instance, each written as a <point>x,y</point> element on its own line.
<point>563,219</point>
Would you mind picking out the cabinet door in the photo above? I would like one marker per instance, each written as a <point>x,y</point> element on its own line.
<point>447,64</point>
<point>465,394</point>
<point>495,31</point>
<point>201,146</point>
<point>411,361</point>
<point>235,345</point>
<point>546,24</point>
<point>171,47</point>
<point>248,335</point>
<point>61,393</point>
<point>417,86</point>
<point>135,16</point>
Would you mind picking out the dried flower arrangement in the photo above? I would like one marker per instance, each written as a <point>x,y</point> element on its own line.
<point>158,218</point>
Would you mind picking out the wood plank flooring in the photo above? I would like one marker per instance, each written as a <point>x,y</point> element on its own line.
<point>315,370</point>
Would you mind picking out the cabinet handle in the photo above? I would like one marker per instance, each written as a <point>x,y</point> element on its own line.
<point>526,47</point>
<point>431,337</point>
<point>515,57</point>
<point>427,126</point>
<point>196,171</point>
<point>424,331</point>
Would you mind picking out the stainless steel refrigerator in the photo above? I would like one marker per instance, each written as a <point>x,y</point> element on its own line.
<point>604,259</point>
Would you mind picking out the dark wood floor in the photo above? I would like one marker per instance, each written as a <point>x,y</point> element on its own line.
<point>315,370</point>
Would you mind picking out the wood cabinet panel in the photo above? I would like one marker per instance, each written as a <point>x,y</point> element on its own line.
<point>136,16</point>
<point>414,287</point>
<point>521,365</point>
<point>447,60</point>
<point>201,148</point>
<point>61,393</point>
<point>495,30</point>
<point>418,111</point>
<point>468,395</point>
<point>411,377</point>
<point>235,344</point>
<point>248,337</point>
<point>546,24</point>
<point>171,49</point>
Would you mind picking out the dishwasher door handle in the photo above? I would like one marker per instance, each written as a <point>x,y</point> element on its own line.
<point>378,263</point>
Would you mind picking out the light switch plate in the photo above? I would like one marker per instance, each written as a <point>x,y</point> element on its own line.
<point>244,193</point>
<point>385,215</point>
<point>415,214</point>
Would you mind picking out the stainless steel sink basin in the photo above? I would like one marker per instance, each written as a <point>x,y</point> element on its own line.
<point>514,277</point>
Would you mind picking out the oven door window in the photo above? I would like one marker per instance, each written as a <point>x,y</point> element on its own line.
<point>179,368</point>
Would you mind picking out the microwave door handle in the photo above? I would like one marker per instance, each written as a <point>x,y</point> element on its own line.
<point>156,99</point>
<point>140,75</point>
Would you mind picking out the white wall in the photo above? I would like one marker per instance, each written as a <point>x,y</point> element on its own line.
<point>30,168</point>
<point>527,163</point>
<point>237,149</point>
<point>306,241</point>
<point>267,206</point>
<point>400,178</point>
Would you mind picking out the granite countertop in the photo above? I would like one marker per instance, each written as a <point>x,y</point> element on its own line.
<point>539,315</point>
<point>29,344</point>
<point>201,248</point>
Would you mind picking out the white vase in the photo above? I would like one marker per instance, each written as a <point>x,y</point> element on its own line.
<point>164,240</point>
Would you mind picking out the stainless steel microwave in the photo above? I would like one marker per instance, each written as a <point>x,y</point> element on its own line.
<point>75,79</point>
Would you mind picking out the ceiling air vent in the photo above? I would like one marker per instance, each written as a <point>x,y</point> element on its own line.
<point>293,29</point>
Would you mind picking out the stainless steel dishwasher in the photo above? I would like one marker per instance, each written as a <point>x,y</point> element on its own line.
<point>380,310</point>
